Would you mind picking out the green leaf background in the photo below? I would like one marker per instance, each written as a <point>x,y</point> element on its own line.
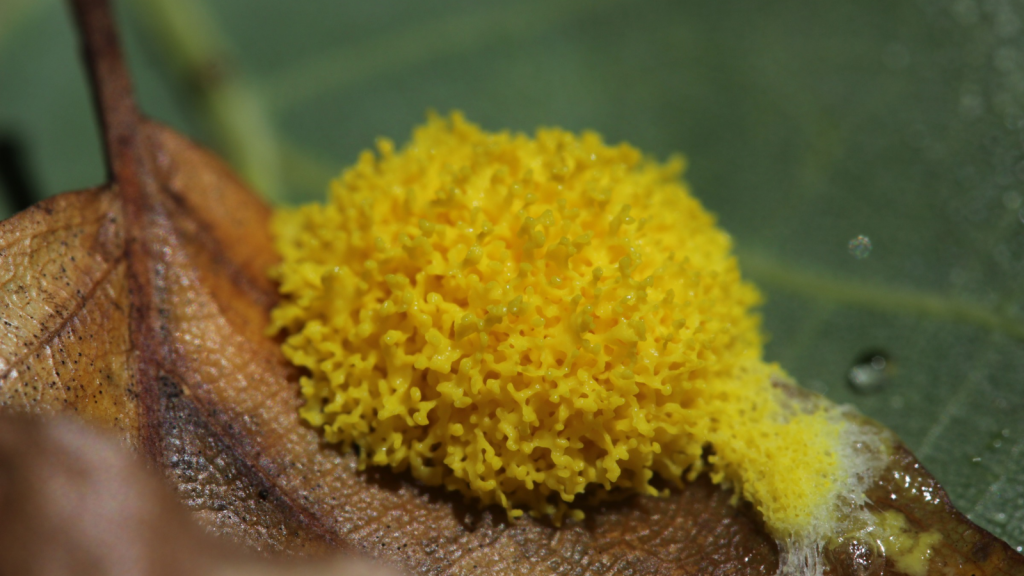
<point>806,124</point>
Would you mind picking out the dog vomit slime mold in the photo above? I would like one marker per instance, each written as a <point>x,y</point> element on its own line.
<point>538,321</point>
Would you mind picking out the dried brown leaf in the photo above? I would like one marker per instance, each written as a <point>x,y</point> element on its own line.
<point>74,502</point>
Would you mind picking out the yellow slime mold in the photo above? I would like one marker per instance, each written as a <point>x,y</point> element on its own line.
<point>523,319</point>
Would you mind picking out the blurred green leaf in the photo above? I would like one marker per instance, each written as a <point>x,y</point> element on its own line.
<point>806,124</point>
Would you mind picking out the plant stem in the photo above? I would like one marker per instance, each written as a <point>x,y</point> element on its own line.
<point>196,47</point>
<point>130,168</point>
<point>882,298</point>
<point>111,88</point>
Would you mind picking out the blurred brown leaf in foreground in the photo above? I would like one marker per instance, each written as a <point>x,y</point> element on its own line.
<point>74,502</point>
<point>140,306</point>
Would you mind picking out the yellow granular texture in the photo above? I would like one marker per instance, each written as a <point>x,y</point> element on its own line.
<point>522,319</point>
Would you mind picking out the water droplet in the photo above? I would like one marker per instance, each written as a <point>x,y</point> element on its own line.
<point>870,371</point>
<point>1000,518</point>
<point>1021,214</point>
<point>976,459</point>
<point>860,247</point>
<point>1005,432</point>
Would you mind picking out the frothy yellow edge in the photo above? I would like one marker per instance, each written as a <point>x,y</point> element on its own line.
<point>532,321</point>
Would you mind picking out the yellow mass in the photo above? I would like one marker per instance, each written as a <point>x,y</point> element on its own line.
<point>538,321</point>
